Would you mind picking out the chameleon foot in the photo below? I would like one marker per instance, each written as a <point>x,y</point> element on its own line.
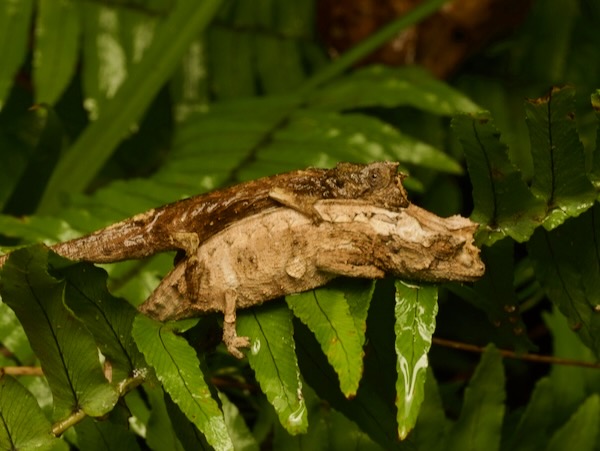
<point>234,344</point>
<point>230,336</point>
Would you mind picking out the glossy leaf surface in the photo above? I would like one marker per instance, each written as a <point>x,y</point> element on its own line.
<point>66,350</point>
<point>415,310</point>
<point>272,356</point>
<point>178,369</point>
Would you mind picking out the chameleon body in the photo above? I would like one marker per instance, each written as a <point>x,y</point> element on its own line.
<point>280,251</point>
<point>183,225</point>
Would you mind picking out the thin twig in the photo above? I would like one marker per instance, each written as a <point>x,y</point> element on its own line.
<point>123,388</point>
<point>538,358</point>
<point>61,426</point>
<point>21,371</point>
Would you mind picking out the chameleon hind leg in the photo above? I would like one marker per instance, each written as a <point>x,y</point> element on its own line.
<point>230,336</point>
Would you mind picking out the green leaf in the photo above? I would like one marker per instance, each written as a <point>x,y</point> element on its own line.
<point>231,77</point>
<point>108,319</point>
<point>208,147</point>
<point>108,434</point>
<point>57,30</point>
<point>372,409</point>
<point>275,56</point>
<point>329,430</point>
<point>242,437</point>
<point>381,86</point>
<point>368,409</point>
<point>272,356</point>
<point>181,431</point>
<point>99,140</point>
<point>558,158</point>
<point>12,335</point>
<point>345,434</point>
<point>531,432</point>
<point>190,437</point>
<point>582,430</point>
<point>327,314</point>
<point>45,152</point>
<point>35,228</point>
<point>178,369</point>
<point>415,311</point>
<point>67,352</point>
<point>23,424</point>
<point>495,294</point>
<point>571,384</point>
<point>432,424</point>
<point>480,422</point>
<point>189,87</point>
<point>14,32</point>
<point>321,138</point>
<point>358,294</point>
<point>114,40</point>
<point>567,266</point>
<point>159,427</point>
<point>502,200</point>
<point>29,148</point>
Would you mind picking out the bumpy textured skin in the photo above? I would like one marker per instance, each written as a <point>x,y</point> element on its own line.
<point>185,224</point>
<point>282,251</point>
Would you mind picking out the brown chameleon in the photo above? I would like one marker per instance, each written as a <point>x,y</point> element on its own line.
<point>280,251</point>
<point>183,225</point>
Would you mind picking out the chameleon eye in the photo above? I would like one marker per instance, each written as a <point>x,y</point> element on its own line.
<point>377,178</point>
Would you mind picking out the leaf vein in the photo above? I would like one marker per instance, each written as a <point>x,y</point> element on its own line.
<point>333,328</point>
<point>185,384</point>
<point>54,336</point>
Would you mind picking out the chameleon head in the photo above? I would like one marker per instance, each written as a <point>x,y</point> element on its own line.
<point>378,183</point>
<point>428,248</point>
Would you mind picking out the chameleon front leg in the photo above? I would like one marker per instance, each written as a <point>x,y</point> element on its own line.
<point>186,241</point>
<point>301,203</point>
<point>230,336</point>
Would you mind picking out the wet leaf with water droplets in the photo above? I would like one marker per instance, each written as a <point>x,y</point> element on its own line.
<point>416,308</point>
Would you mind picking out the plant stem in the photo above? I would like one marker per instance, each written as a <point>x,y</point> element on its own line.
<point>537,358</point>
<point>337,68</point>
<point>21,371</point>
<point>372,43</point>
<point>123,388</point>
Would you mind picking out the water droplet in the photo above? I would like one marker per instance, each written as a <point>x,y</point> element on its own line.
<point>597,308</point>
<point>297,416</point>
<point>255,348</point>
<point>510,308</point>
